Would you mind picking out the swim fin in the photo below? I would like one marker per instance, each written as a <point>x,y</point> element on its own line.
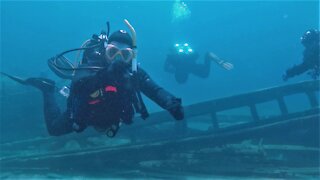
<point>40,83</point>
<point>15,78</point>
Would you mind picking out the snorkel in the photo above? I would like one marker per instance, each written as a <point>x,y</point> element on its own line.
<point>134,62</point>
<point>139,105</point>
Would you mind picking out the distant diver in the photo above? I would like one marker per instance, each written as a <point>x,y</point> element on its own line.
<point>105,87</point>
<point>182,61</point>
<point>310,61</point>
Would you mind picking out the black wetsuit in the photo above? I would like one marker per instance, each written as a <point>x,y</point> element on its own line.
<point>310,63</point>
<point>104,99</point>
<point>184,64</point>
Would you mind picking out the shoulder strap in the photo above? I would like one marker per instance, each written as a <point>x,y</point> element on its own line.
<point>138,103</point>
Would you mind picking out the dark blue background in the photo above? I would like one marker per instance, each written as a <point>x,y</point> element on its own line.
<point>261,39</point>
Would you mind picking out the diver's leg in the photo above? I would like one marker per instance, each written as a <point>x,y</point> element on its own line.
<point>57,123</point>
<point>202,70</point>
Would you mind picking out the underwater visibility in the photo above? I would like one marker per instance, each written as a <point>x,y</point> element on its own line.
<point>159,90</point>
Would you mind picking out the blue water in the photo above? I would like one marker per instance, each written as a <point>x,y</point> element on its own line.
<point>261,39</point>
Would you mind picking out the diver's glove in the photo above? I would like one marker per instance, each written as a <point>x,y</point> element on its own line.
<point>175,108</point>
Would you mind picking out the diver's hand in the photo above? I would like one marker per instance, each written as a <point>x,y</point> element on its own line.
<point>175,108</point>
<point>222,63</point>
<point>227,65</point>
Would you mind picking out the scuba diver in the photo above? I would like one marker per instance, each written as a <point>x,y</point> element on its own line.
<point>105,87</point>
<point>310,62</point>
<point>181,61</point>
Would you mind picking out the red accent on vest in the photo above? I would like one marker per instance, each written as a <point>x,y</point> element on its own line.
<point>110,89</point>
<point>94,101</point>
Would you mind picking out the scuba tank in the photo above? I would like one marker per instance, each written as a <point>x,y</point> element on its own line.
<point>65,69</point>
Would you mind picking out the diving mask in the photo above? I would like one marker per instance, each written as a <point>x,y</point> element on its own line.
<point>114,52</point>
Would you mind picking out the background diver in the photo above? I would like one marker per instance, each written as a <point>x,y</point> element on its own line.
<point>181,61</point>
<point>105,88</point>
<point>310,61</point>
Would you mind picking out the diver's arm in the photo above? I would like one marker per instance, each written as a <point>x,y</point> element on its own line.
<point>295,70</point>
<point>157,94</point>
<point>307,63</point>
<point>222,63</point>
